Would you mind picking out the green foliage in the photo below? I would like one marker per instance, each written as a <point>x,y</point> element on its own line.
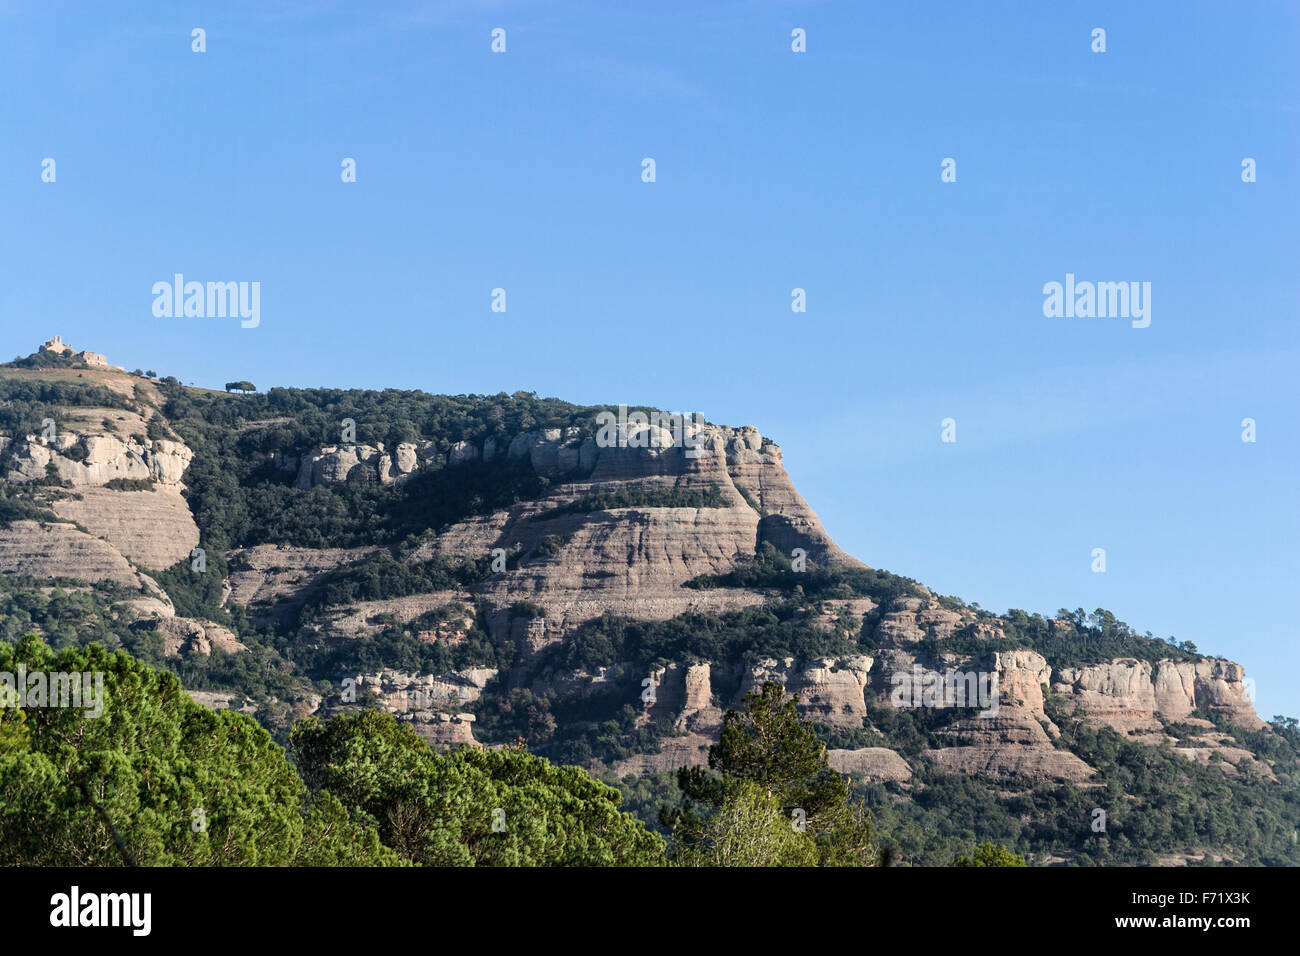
<point>383,577</point>
<point>1157,804</point>
<point>130,484</point>
<point>750,828</point>
<point>577,728</point>
<point>768,759</point>
<point>551,545</point>
<point>25,403</point>
<point>651,798</point>
<point>42,359</point>
<point>157,431</point>
<point>638,497</point>
<point>441,810</point>
<point>990,854</point>
<point>769,568</point>
<point>769,744</point>
<point>527,610</point>
<point>17,504</point>
<point>1076,638</point>
<point>517,714</point>
<point>74,615</point>
<point>779,629</point>
<point>124,787</point>
<point>67,614</point>
<point>396,647</point>
<point>200,593</point>
<point>239,499</point>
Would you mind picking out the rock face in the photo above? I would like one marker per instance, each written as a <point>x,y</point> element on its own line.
<point>273,581</point>
<point>50,551</point>
<point>220,700</point>
<point>128,530</point>
<point>684,698</point>
<point>184,636</point>
<point>447,731</point>
<point>335,464</point>
<point>154,529</point>
<point>912,619</point>
<point>631,561</point>
<point>877,764</point>
<point>95,459</point>
<point>433,705</point>
<point>42,550</point>
<point>412,695</point>
<point>1022,675</point>
<point>1008,748</point>
<point>365,618</point>
<point>634,561</point>
<point>691,750</point>
<point>1127,694</point>
<point>830,689</point>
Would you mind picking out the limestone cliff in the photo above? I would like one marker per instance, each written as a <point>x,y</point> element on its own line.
<point>115,508</point>
<point>118,498</point>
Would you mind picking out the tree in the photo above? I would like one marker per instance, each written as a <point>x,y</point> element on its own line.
<point>240,387</point>
<point>154,779</point>
<point>768,746</point>
<point>474,807</point>
<point>751,828</point>
<point>990,854</point>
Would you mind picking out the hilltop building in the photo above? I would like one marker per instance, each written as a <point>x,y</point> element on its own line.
<point>92,359</point>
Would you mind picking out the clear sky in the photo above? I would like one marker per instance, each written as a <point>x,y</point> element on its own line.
<point>774,170</point>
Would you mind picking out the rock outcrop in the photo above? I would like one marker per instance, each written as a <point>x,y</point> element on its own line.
<point>335,464</point>
<point>414,695</point>
<point>1128,694</point>
<point>684,698</point>
<point>830,690</point>
<point>1008,748</point>
<point>912,619</point>
<point>95,459</point>
<point>689,750</point>
<point>183,636</point>
<point>875,764</point>
<point>447,731</point>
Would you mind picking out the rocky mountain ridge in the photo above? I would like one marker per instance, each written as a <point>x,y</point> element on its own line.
<point>609,538</point>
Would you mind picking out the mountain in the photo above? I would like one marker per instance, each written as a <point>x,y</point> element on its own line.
<point>604,583</point>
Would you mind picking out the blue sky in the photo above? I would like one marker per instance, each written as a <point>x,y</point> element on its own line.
<point>775,170</point>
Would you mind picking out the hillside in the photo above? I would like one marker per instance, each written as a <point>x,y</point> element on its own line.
<point>494,567</point>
